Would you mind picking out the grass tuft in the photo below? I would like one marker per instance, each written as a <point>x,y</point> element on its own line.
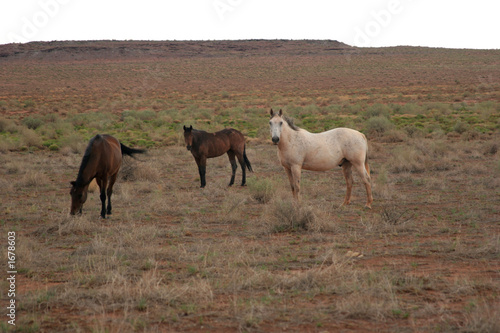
<point>287,216</point>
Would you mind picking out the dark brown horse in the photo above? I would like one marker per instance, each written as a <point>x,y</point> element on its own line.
<point>102,160</point>
<point>205,145</point>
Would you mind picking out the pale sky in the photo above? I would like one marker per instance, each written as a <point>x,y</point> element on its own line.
<point>434,23</point>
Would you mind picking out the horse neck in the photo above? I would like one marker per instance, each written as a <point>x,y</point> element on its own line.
<point>87,170</point>
<point>196,138</point>
<point>288,135</point>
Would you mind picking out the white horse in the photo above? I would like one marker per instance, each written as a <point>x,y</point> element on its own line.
<point>299,149</point>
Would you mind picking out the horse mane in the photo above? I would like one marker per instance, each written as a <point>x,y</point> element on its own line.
<point>290,123</point>
<point>198,131</point>
<point>85,161</point>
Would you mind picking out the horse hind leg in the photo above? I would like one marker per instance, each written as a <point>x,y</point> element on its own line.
<point>241,160</point>
<point>110,192</point>
<point>102,189</point>
<point>234,166</point>
<point>347,170</point>
<point>363,172</point>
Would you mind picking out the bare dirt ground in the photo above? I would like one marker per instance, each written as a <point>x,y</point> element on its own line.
<point>174,257</point>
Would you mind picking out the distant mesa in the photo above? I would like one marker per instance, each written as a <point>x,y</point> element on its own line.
<point>90,50</point>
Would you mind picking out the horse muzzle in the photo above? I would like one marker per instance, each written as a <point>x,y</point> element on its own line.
<point>275,140</point>
<point>189,148</point>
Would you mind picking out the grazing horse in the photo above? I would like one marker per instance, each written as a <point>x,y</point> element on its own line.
<point>299,149</point>
<point>102,161</point>
<point>205,145</point>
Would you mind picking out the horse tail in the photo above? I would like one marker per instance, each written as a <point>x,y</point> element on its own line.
<point>367,167</point>
<point>247,162</point>
<point>130,151</point>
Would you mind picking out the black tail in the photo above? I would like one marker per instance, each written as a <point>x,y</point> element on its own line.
<point>247,162</point>
<point>131,151</point>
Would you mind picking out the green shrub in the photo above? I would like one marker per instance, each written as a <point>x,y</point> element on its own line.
<point>8,143</point>
<point>378,125</point>
<point>143,115</point>
<point>32,122</point>
<point>352,108</point>
<point>407,159</point>
<point>75,142</point>
<point>133,123</point>
<point>261,190</point>
<point>30,138</point>
<point>460,127</point>
<point>377,110</point>
<point>394,135</point>
<point>51,118</point>
<point>438,108</point>
<point>411,108</point>
<point>80,120</point>
<point>287,216</point>
<point>414,132</point>
<point>29,103</point>
<point>7,125</point>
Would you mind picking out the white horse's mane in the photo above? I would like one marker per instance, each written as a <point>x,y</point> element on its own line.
<point>290,123</point>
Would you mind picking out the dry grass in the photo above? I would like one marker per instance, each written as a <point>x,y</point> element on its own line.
<point>174,255</point>
<point>482,317</point>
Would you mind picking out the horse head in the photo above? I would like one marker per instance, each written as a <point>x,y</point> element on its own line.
<point>276,124</point>
<point>78,197</point>
<point>188,137</point>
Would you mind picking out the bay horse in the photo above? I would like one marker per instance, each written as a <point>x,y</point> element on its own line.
<point>203,145</point>
<point>299,149</point>
<point>102,160</point>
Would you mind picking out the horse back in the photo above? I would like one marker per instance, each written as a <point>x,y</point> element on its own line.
<point>235,137</point>
<point>219,143</point>
<point>109,156</point>
<point>353,144</point>
<point>326,150</point>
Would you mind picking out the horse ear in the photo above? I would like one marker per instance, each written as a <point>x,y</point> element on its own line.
<point>271,113</point>
<point>280,113</point>
<point>185,128</point>
<point>190,127</point>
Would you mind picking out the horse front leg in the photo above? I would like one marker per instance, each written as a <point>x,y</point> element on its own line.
<point>202,169</point>
<point>294,179</point>
<point>296,173</point>
<point>290,179</point>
